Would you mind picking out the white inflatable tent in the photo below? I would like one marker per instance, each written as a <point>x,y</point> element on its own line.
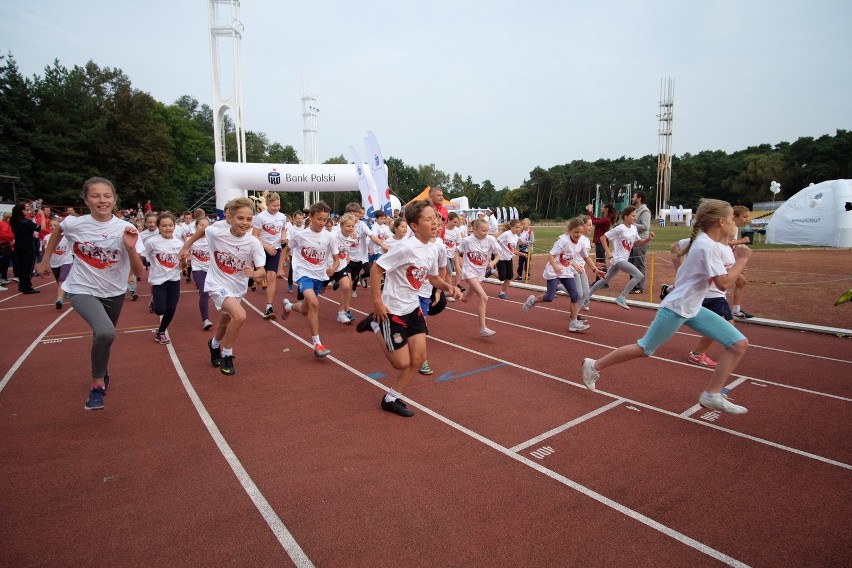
<point>819,215</point>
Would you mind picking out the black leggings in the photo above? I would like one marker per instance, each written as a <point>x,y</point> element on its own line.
<point>165,298</point>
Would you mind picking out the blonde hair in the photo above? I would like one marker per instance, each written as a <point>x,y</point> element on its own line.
<point>479,222</point>
<point>708,214</point>
<point>740,210</point>
<point>239,203</point>
<point>575,222</point>
<point>347,218</point>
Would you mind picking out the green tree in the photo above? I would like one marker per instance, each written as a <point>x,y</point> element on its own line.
<point>16,123</point>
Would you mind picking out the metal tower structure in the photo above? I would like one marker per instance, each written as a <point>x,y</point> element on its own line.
<point>664,156</point>
<point>310,152</point>
<point>226,54</point>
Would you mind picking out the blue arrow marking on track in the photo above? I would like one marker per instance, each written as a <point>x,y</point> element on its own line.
<point>448,376</point>
<point>376,376</point>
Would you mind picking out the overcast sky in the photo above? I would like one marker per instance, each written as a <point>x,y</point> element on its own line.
<point>487,89</point>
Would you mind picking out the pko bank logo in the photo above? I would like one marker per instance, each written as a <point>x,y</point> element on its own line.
<point>377,160</point>
<point>274,177</point>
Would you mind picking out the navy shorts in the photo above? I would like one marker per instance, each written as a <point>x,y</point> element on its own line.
<point>272,262</point>
<point>718,306</point>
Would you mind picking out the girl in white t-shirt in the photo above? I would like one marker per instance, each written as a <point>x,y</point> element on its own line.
<point>580,265</point>
<point>268,228</point>
<point>561,259</point>
<point>297,224</point>
<point>474,256</point>
<point>104,248</point>
<point>235,257</point>
<point>452,238</point>
<point>618,242</point>
<point>347,241</point>
<point>60,262</point>
<point>400,233</point>
<point>311,250</point>
<point>398,320</point>
<point>163,252</point>
<point>199,252</point>
<point>701,263</point>
<point>508,241</point>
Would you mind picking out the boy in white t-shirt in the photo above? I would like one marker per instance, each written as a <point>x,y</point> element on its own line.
<point>60,262</point>
<point>508,241</point>
<point>452,238</point>
<point>622,238</point>
<point>311,250</point>
<point>474,254</point>
<point>702,262</point>
<point>268,228</point>
<point>236,256</point>
<point>398,320</point>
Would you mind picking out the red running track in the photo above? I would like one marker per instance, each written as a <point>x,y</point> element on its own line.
<point>509,460</point>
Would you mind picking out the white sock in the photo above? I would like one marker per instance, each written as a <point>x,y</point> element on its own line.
<point>316,339</point>
<point>736,309</point>
<point>376,327</point>
<point>227,352</point>
<point>391,396</point>
<point>214,343</point>
<point>268,306</point>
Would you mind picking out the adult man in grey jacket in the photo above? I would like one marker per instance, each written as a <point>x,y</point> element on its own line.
<point>643,225</point>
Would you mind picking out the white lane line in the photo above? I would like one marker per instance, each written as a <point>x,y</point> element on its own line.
<point>285,538</point>
<point>8,376</point>
<point>567,425</point>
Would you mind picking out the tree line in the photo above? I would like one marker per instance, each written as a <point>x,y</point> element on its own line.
<point>69,124</point>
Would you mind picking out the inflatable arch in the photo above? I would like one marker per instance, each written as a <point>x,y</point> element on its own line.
<point>235,179</point>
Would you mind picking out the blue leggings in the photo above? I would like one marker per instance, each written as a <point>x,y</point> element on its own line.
<point>552,285</point>
<point>165,297</point>
<point>708,324</point>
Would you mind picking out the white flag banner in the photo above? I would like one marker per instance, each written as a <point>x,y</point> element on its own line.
<point>505,215</point>
<point>367,199</point>
<point>380,176</point>
<point>514,213</point>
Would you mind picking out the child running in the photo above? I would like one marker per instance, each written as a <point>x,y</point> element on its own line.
<point>163,252</point>
<point>60,262</point>
<point>582,279</point>
<point>452,237</point>
<point>199,251</point>
<point>623,238</point>
<point>268,228</point>
<point>105,249</point>
<point>559,270</point>
<point>741,217</point>
<point>398,320</point>
<point>508,241</point>
<point>475,251</point>
<point>234,255</point>
<point>346,241</point>
<point>311,250</point>
<point>701,263</point>
<point>297,224</point>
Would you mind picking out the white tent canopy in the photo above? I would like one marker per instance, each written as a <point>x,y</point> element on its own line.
<point>818,215</point>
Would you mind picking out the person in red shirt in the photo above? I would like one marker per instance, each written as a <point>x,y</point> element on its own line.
<point>436,198</point>
<point>601,225</point>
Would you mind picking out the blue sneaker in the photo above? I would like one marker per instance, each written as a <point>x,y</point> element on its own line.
<point>106,383</point>
<point>622,302</point>
<point>96,399</point>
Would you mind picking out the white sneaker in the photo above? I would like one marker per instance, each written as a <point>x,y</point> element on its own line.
<point>354,293</point>
<point>450,299</point>
<point>720,402</point>
<point>577,325</point>
<point>206,325</point>
<point>622,302</point>
<point>485,332</point>
<point>528,305</point>
<point>343,318</point>
<point>590,375</point>
<point>586,308</point>
<point>3,288</point>
<point>288,307</point>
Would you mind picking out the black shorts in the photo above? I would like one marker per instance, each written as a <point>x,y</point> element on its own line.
<point>272,262</point>
<point>397,329</point>
<point>340,274</point>
<point>504,269</point>
<point>718,306</point>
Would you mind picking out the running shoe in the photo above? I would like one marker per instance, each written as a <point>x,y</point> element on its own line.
<point>227,367</point>
<point>664,290</point>
<point>354,293</point>
<point>269,314</point>
<point>503,296</point>
<point>96,399</point>
<point>350,316</point>
<point>576,326</point>
<point>529,304</point>
<point>719,402</point>
<point>253,286</point>
<point>288,308</point>
<point>637,291</point>
<point>425,369</point>
<point>366,324</point>
<point>590,375</point>
<point>320,351</point>
<point>343,318</point>
<point>397,407</point>
<point>622,303</point>
<point>485,332</point>
<point>263,284</point>
<point>335,285</point>
<point>742,314</point>
<point>701,359</point>
<point>162,338</point>
<point>58,304</point>
<point>215,354</point>
<point>206,324</point>
<point>134,296</point>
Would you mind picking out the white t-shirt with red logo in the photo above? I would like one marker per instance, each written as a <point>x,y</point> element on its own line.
<point>200,253</point>
<point>102,263</point>
<point>362,233</point>
<point>313,253</point>
<point>164,256</point>
<point>407,265</point>
<point>508,243</point>
<point>476,254</point>
<point>563,251</point>
<point>270,227</point>
<point>621,240</point>
<point>345,246</point>
<point>426,289</point>
<point>61,254</point>
<point>381,232</point>
<point>582,248</point>
<point>229,257</point>
<point>452,237</point>
<point>728,260</point>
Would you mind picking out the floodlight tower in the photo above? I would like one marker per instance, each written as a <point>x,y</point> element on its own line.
<point>664,156</point>
<point>226,54</point>
<point>310,153</point>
